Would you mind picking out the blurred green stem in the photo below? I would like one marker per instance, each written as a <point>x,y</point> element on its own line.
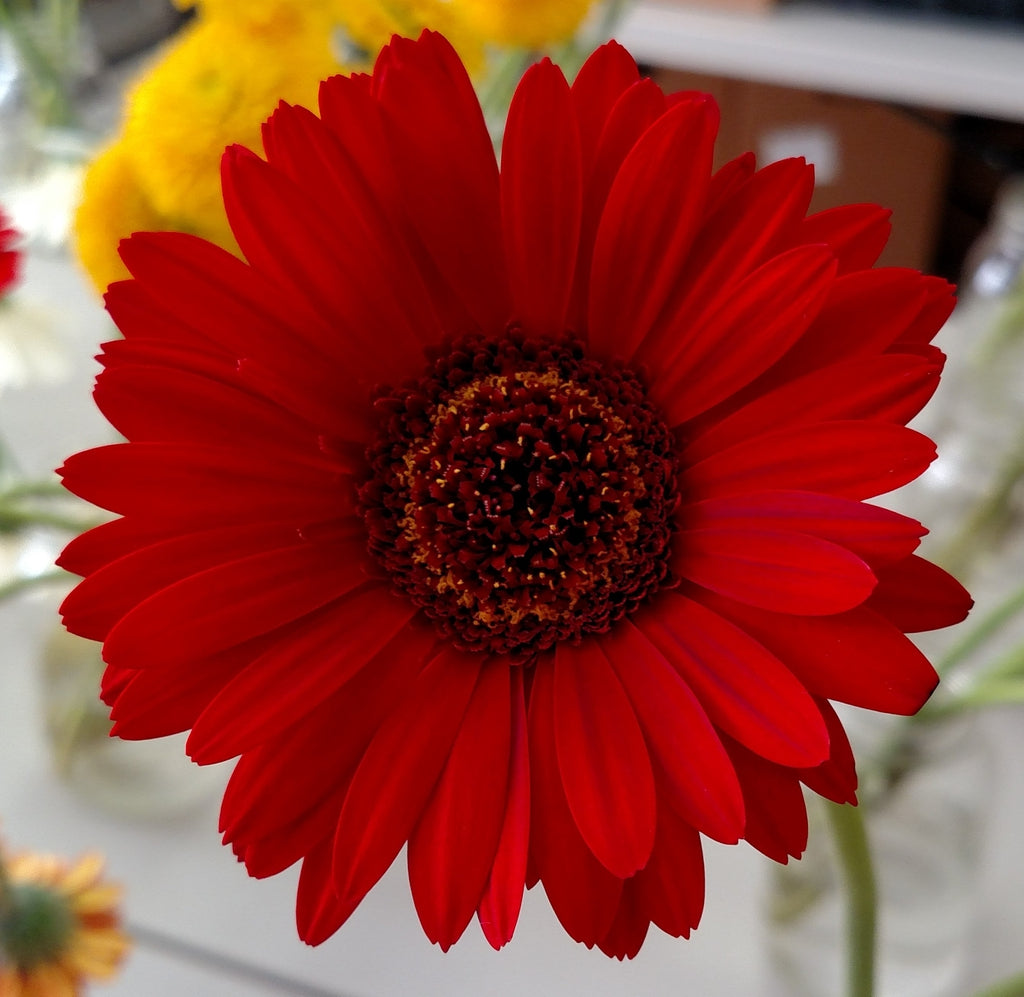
<point>849,832</point>
<point>46,43</point>
<point>1012,986</point>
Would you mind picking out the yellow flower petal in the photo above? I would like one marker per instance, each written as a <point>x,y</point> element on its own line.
<point>527,23</point>
<point>97,953</point>
<point>96,899</point>
<point>112,206</point>
<point>49,981</point>
<point>86,871</point>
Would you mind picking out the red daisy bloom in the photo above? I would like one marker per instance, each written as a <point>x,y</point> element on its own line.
<point>10,258</point>
<point>515,515</point>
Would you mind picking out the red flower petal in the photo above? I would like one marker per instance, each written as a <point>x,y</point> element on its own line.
<point>446,169</point>
<point>110,592</point>
<point>182,485</point>
<point>229,604</point>
<point>867,311</point>
<point>275,690</point>
<point>879,389</point>
<point>609,785</point>
<point>398,772</point>
<point>453,846</point>
<point>728,179</point>
<point>878,536</point>
<point>758,221</point>
<point>917,595</point>
<point>745,689</point>
<point>541,198</point>
<point>601,81</point>
<point>671,886</point>
<point>276,783</point>
<point>648,226</point>
<point>836,777</point>
<point>692,771</point>
<point>149,703</point>
<point>583,894</point>
<point>158,404</point>
<point>856,233</point>
<point>319,911</point>
<point>636,109</point>
<point>857,657</point>
<point>776,813</point>
<point>785,572</point>
<point>748,332</point>
<point>880,457</point>
<point>629,929</point>
<point>503,896</point>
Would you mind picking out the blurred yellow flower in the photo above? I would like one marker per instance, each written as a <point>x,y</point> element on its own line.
<point>224,74</point>
<point>215,85</point>
<point>526,23</point>
<point>371,23</point>
<point>59,925</point>
<point>113,205</point>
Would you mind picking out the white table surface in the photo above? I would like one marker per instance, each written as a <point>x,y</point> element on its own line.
<point>184,886</point>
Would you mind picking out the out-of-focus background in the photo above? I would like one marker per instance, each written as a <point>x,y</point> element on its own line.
<point>917,105</point>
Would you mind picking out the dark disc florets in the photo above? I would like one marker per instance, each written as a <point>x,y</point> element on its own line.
<point>521,493</point>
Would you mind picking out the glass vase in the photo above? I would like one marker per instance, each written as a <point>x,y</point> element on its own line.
<point>153,779</point>
<point>925,793</point>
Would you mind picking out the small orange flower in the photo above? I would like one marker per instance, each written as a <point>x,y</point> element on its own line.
<point>59,925</point>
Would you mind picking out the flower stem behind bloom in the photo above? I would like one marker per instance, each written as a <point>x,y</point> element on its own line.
<point>850,835</point>
<point>1012,986</point>
<point>45,42</point>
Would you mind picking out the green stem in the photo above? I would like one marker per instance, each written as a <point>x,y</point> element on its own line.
<point>47,83</point>
<point>1012,986</point>
<point>986,628</point>
<point>988,520</point>
<point>850,835</point>
<point>16,519</point>
<point>33,489</point>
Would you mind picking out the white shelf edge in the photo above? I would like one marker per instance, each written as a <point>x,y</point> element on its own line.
<point>905,59</point>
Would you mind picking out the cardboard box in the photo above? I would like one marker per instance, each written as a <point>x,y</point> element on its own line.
<point>861,150</point>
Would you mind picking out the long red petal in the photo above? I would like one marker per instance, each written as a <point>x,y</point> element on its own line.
<point>917,595</point>
<point>648,226</point>
<point>276,689</point>
<point>583,894</point>
<point>453,845</point>
<point>398,772</point>
<point>857,657</point>
<point>876,535</point>
<point>609,784</point>
<point>878,457</point>
<point>229,604</point>
<point>776,812</point>
<point>693,772</point>
<point>541,199</point>
<point>447,172</point>
<point>745,689</point>
<point>503,896</point>
<point>750,329</point>
<point>785,572</point>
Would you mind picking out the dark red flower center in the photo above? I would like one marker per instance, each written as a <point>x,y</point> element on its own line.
<point>521,493</point>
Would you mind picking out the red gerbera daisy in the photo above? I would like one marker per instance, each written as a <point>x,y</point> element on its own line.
<point>10,258</point>
<point>514,515</point>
